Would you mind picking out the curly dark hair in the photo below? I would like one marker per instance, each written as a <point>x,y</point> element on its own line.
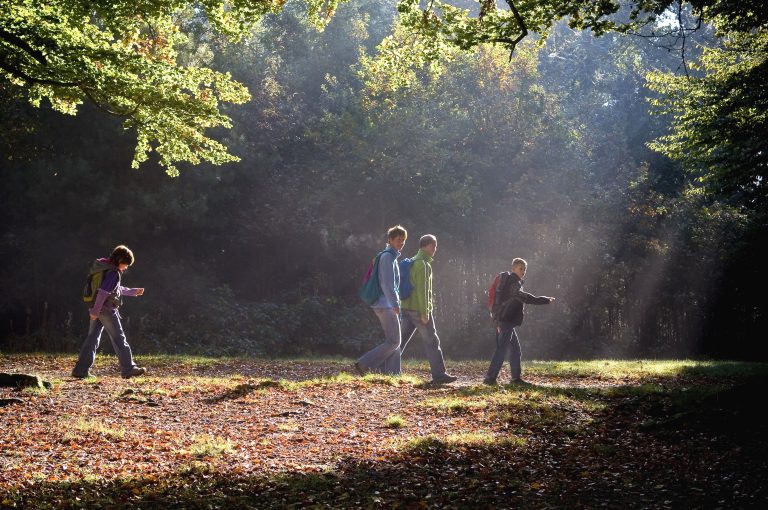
<point>121,255</point>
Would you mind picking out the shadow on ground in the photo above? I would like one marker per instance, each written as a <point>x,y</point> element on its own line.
<point>643,447</point>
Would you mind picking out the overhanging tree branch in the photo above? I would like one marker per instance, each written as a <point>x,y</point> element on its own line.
<point>675,38</point>
<point>23,45</point>
<point>512,43</point>
<point>104,108</point>
<point>18,73</point>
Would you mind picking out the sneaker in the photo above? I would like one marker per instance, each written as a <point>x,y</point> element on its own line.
<point>80,376</point>
<point>134,372</point>
<point>444,379</point>
<point>359,369</point>
<point>490,382</point>
<point>519,381</point>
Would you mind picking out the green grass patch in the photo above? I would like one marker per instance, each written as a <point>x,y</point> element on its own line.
<point>288,385</point>
<point>200,384</point>
<point>289,425</point>
<point>186,360</point>
<point>93,426</point>
<point>35,391</point>
<point>345,378</point>
<point>613,369</point>
<point>392,380</point>
<point>205,445</point>
<point>143,391</point>
<point>342,378</point>
<point>484,439</point>
<point>456,404</point>
<point>604,450</point>
<point>394,421</point>
<point>431,444</point>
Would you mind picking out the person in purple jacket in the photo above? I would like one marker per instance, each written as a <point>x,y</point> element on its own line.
<point>105,315</point>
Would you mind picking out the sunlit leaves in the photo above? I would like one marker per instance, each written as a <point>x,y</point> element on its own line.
<point>719,117</point>
<point>401,58</point>
<point>491,22</point>
<point>123,58</point>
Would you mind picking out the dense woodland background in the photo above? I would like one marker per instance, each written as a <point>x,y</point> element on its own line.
<point>543,156</point>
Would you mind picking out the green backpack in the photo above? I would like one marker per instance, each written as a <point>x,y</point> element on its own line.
<point>92,284</point>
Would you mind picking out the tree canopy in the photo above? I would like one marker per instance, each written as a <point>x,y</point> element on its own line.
<point>129,58</point>
<point>719,117</point>
<point>543,156</point>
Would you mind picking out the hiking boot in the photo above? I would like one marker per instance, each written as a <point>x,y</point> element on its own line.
<point>81,376</point>
<point>444,379</point>
<point>135,371</point>
<point>519,381</point>
<point>359,369</point>
<point>490,382</point>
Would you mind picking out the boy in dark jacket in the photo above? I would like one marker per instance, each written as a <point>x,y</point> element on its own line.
<point>104,314</point>
<point>508,314</point>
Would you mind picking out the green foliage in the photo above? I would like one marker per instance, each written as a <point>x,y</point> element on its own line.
<point>719,117</point>
<point>128,58</point>
<point>124,57</point>
<point>394,421</point>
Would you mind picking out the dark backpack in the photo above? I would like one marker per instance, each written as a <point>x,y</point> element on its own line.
<point>405,278</point>
<point>496,293</point>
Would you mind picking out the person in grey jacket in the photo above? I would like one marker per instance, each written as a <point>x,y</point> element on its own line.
<point>509,315</point>
<point>387,308</point>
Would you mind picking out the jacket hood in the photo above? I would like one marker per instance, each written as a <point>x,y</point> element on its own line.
<point>100,265</point>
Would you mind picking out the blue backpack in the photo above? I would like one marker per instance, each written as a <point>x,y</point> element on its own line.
<point>370,292</point>
<point>405,278</point>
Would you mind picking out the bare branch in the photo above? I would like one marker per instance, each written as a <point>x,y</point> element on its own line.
<point>678,37</point>
<point>521,24</point>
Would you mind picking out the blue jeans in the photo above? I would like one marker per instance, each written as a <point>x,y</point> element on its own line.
<point>411,323</point>
<point>376,357</point>
<point>109,320</point>
<point>507,346</point>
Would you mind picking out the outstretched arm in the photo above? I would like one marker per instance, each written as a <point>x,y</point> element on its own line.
<point>530,299</point>
<point>127,291</point>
